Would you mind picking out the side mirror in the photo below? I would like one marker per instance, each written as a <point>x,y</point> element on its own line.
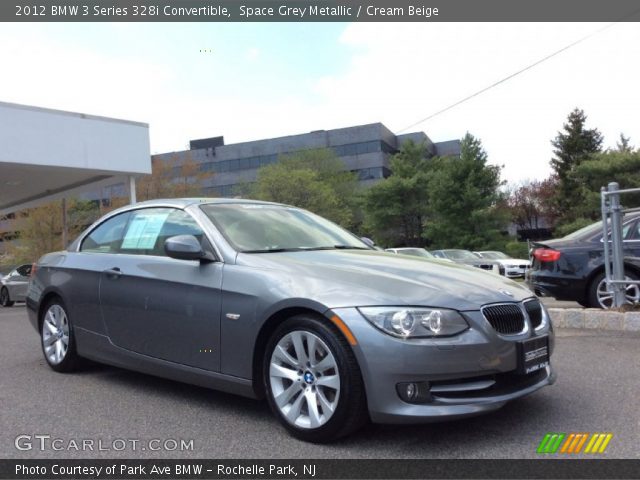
<point>184,247</point>
<point>368,241</point>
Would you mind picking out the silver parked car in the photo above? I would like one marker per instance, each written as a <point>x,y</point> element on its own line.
<point>13,286</point>
<point>466,257</point>
<point>415,252</point>
<point>268,300</point>
<point>513,267</point>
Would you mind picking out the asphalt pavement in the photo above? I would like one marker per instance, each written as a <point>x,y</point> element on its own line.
<point>597,390</point>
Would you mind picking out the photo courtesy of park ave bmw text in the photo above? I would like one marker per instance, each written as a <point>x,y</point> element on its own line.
<point>277,239</point>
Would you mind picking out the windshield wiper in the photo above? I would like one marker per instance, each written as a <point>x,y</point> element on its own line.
<point>338,247</point>
<point>304,249</point>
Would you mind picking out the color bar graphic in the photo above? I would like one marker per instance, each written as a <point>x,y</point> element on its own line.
<point>598,443</point>
<point>550,442</point>
<point>573,443</point>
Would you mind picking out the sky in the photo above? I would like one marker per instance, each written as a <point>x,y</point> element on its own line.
<point>249,81</point>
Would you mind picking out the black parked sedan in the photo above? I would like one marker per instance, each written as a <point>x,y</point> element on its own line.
<point>572,267</point>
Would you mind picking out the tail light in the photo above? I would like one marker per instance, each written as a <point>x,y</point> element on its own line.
<point>34,267</point>
<point>546,254</point>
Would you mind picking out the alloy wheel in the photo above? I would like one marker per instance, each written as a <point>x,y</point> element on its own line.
<point>55,334</point>
<point>304,378</point>
<point>605,296</point>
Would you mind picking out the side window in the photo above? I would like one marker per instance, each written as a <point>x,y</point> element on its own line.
<point>106,238</point>
<point>148,230</point>
<point>631,231</point>
<point>24,270</point>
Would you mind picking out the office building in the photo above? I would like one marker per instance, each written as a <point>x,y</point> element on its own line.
<point>364,149</point>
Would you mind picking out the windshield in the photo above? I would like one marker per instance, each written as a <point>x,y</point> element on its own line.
<point>494,255</point>
<point>460,255</point>
<point>416,252</point>
<point>257,228</point>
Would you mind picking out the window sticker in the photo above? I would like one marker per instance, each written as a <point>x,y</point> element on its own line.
<point>143,231</point>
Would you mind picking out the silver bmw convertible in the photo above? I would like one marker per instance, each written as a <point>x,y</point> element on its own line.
<point>267,300</point>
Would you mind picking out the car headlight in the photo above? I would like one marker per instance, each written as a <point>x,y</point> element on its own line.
<point>411,322</point>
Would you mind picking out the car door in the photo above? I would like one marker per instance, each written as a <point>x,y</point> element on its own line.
<point>159,306</point>
<point>18,283</point>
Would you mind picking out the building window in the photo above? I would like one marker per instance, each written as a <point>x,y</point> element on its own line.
<point>373,173</point>
<point>247,163</point>
<point>222,190</point>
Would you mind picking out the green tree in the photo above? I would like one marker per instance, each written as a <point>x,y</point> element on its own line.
<point>312,179</point>
<point>331,171</point>
<point>81,214</point>
<point>624,144</point>
<point>465,200</point>
<point>601,169</point>
<point>40,229</point>
<point>572,146</point>
<point>396,208</point>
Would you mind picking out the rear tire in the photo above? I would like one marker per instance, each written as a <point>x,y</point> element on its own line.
<point>599,297</point>
<point>312,380</point>
<point>57,337</point>
<point>5,301</point>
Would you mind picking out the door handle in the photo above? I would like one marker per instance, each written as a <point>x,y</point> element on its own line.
<point>113,273</point>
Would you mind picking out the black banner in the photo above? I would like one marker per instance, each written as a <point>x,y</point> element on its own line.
<point>319,469</point>
<point>317,10</point>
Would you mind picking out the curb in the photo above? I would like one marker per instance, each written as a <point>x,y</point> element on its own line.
<point>594,318</point>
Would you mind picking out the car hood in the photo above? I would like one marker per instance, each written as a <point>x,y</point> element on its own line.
<point>344,278</point>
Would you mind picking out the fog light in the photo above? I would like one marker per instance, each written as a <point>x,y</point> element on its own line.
<point>414,392</point>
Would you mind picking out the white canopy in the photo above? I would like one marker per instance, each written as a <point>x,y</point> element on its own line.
<point>47,154</point>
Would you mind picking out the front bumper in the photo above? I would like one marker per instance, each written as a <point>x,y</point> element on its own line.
<point>468,374</point>
<point>515,272</point>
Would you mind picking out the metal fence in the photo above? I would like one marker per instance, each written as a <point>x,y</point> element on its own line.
<point>612,213</point>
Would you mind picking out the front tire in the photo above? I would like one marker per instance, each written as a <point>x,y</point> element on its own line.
<point>5,300</point>
<point>57,337</point>
<point>313,381</point>
<point>600,297</point>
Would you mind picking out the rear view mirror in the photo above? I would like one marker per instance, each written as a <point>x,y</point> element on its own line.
<point>368,241</point>
<point>184,247</point>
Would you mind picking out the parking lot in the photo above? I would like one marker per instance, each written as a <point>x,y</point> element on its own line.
<point>597,391</point>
